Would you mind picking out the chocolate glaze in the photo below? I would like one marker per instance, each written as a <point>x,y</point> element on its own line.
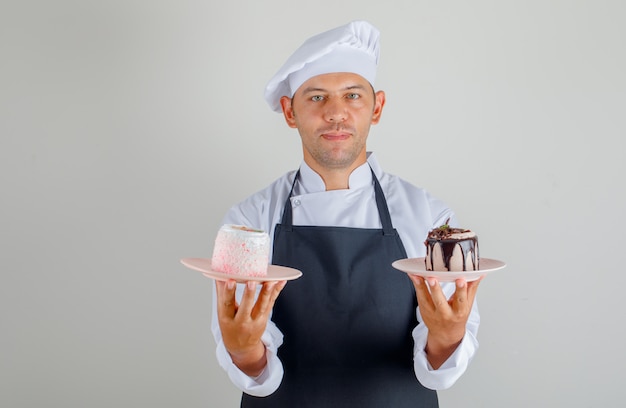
<point>469,251</point>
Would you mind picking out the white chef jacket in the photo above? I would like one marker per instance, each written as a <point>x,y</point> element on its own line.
<point>413,213</point>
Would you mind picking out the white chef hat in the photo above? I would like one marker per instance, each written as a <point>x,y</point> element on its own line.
<point>350,48</point>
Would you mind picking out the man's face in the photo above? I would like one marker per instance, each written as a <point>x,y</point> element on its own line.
<point>333,114</point>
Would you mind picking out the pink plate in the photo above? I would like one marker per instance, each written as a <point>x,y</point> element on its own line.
<point>274,272</point>
<point>416,266</point>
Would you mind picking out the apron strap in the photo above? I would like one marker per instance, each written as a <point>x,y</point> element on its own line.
<point>381,204</point>
<point>287,221</point>
<point>383,210</point>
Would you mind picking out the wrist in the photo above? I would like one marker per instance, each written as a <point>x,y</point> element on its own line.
<point>251,361</point>
<point>438,349</point>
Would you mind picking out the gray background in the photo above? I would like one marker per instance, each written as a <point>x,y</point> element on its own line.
<point>129,127</point>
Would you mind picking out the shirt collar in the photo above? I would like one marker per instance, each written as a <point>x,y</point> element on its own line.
<point>311,182</point>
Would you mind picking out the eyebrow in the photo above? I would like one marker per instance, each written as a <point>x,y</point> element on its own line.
<point>347,88</point>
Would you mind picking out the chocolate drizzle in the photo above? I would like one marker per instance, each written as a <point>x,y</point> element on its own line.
<point>469,252</point>
<point>442,237</point>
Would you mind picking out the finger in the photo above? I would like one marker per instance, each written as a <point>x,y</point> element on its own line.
<point>439,299</point>
<point>460,294</point>
<point>274,290</point>
<point>472,288</point>
<point>266,298</point>
<point>226,302</point>
<point>416,280</point>
<point>465,294</point>
<point>424,299</point>
<point>247,300</point>
<point>225,290</point>
<point>280,285</point>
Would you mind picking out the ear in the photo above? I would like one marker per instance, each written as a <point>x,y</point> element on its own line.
<point>379,103</point>
<point>290,117</point>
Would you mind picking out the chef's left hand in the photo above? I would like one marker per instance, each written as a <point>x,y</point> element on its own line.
<point>445,318</point>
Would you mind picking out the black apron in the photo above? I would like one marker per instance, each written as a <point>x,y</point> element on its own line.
<point>347,321</point>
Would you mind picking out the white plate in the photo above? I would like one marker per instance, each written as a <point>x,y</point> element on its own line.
<point>416,266</point>
<point>274,272</point>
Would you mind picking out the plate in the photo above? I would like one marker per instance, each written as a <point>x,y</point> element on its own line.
<point>274,272</point>
<point>416,266</point>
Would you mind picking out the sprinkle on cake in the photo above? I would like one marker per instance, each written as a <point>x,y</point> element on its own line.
<point>241,250</point>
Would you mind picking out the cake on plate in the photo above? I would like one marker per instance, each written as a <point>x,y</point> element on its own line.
<point>241,251</point>
<point>451,249</point>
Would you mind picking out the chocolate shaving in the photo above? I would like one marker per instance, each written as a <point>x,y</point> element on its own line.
<point>445,231</point>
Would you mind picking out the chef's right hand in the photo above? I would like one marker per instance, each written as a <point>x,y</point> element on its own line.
<point>242,325</point>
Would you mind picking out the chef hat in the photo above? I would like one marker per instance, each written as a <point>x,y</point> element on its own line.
<point>349,48</point>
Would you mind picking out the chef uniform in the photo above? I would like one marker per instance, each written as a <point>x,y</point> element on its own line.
<point>347,332</point>
<point>351,208</point>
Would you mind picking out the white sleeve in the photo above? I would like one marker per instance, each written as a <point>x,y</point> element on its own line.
<point>452,369</point>
<point>269,380</point>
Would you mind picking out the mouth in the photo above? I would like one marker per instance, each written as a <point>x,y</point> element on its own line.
<point>336,136</point>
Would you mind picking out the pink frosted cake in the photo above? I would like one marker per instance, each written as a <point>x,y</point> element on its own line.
<point>451,249</point>
<point>241,251</point>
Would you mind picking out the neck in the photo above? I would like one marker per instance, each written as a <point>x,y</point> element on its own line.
<point>335,178</point>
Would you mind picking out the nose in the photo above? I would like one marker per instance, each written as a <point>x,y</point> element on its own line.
<point>335,111</point>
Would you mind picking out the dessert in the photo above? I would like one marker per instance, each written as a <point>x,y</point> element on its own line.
<point>451,249</point>
<point>241,251</point>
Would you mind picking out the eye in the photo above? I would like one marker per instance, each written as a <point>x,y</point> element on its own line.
<point>317,98</point>
<point>353,96</point>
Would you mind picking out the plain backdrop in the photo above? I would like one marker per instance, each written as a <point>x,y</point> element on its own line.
<point>128,128</point>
